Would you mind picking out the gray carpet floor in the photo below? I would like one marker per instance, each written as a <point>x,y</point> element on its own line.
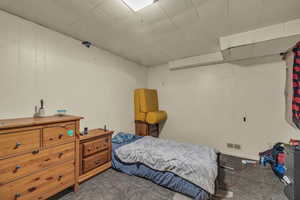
<point>246,182</point>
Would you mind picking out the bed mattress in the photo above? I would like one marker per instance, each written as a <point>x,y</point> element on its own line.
<point>166,179</point>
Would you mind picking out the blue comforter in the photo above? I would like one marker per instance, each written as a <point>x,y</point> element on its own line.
<point>166,179</point>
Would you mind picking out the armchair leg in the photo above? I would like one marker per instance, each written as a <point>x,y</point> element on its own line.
<point>145,129</point>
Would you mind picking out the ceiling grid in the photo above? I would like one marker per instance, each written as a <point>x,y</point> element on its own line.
<point>164,31</point>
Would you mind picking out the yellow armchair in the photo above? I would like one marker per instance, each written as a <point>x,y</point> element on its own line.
<point>147,110</point>
<point>146,107</point>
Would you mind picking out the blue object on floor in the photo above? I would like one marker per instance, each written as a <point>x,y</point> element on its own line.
<point>166,179</point>
<point>271,157</point>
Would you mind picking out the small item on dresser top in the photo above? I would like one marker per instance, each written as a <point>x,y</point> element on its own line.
<point>105,128</point>
<point>85,131</point>
<point>61,112</point>
<point>42,112</point>
<point>36,112</point>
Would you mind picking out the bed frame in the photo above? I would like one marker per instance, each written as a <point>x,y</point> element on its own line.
<point>217,182</point>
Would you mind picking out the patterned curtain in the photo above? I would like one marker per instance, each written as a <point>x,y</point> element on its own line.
<point>296,86</point>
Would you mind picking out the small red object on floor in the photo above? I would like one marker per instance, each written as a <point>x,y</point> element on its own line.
<point>281,158</point>
<point>294,142</point>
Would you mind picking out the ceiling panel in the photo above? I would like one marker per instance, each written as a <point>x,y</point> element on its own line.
<point>276,11</point>
<point>115,10</point>
<point>173,8</point>
<point>186,18</point>
<point>244,15</point>
<point>152,14</point>
<point>164,31</point>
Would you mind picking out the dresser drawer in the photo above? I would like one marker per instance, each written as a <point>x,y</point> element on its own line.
<point>16,167</point>
<point>95,161</point>
<point>18,142</point>
<point>41,185</point>
<point>58,134</point>
<point>95,146</point>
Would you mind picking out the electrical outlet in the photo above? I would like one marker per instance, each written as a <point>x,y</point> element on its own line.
<point>230,145</point>
<point>237,146</point>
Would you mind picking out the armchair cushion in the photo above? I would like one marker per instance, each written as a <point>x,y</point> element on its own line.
<point>156,117</point>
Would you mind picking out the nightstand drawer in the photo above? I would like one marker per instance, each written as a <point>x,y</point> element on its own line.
<point>18,142</point>
<point>58,134</point>
<point>97,145</point>
<point>40,186</point>
<point>95,161</point>
<point>16,167</point>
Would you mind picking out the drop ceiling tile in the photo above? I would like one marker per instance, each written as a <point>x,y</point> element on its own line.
<point>151,54</point>
<point>101,16</point>
<point>197,44</point>
<point>185,18</point>
<point>152,14</point>
<point>276,11</point>
<point>90,29</point>
<point>115,9</point>
<point>81,9</point>
<point>239,21</point>
<point>93,3</point>
<point>213,18</point>
<point>131,24</point>
<point>5,3</point>
<point>192,33</point>
<point>173,44</point>
<point>173,8</point>
<point>198,3</point>
<point>134,24</point>
<point>160,28</point>
<point>44,12</point>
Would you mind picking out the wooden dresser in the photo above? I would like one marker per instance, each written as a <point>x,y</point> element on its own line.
<point>37,157</point>
<point>95,153</point>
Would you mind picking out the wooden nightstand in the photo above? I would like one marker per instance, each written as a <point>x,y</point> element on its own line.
<point>94,153</point>
<point>145,129</point>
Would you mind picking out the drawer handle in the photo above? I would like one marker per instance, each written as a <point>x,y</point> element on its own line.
<point>60,177</point>
<point>89,149</point>
<point>32,189</point>
<point>60,136</point>
<point>18,144</point>
<point>60,154</point>
<point>18,195</point>
<point>97,162</point>
<point>36,152</point>
<point>18,167</point>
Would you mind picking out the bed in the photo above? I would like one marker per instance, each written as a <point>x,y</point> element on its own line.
<point>165,177</point>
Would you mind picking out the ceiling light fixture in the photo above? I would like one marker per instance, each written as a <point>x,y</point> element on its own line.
<point>136,5</point>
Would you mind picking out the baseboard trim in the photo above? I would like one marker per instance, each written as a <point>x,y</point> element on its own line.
<point>241,155</point>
